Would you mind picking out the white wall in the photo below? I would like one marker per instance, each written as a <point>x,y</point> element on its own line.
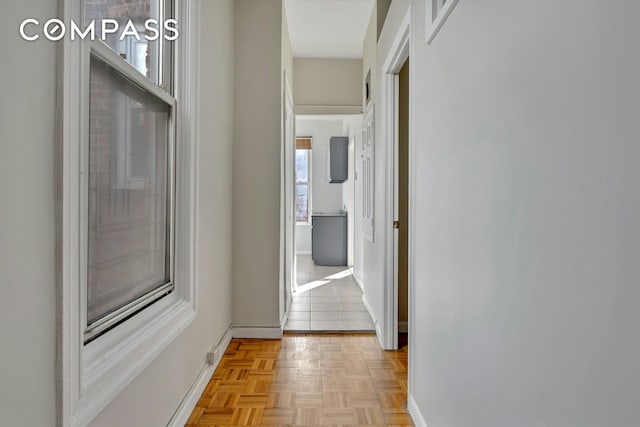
<point>287,54</point>
<point>382,7</point>
<point>303,239</point>
<point>327,82</point>
<point>27,215</point>
<point>526,208</point>
<point>154,395</point>
<point>256,163</point>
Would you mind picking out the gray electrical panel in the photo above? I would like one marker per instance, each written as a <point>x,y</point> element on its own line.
<point>338,159</point>
<point>329,238</point>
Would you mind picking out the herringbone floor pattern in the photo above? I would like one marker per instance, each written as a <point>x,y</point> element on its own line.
<point>305,380</point>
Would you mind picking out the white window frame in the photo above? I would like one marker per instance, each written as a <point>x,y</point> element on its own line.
<point>90,376</point>
<point>307,182</point>
<point>437,12</point>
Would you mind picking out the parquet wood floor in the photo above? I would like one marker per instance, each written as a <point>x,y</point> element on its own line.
<point>306,380</point>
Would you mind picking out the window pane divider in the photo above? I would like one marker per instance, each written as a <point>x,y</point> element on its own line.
<point>104,323</point>
<point>104,53</point>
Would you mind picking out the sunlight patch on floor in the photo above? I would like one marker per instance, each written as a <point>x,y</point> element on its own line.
<point>301,289</point>
<point>339,275</point>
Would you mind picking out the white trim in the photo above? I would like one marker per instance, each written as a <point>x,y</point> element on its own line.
<point>90,376</point>
<point>433,26</point>
<point>357,278</point>
<point>398,54</point>
<point>109,56</point>
<point>303,253</point>
<point>288,213</point>
<point>415,413</point>
<point>308,182</point>
<point>284,318</point>
<point>190,400</point>
<point>222,346</point>
<point>366,304</point>
<point>413,167</point>
<point>369,309</point>
<point>266,332</point>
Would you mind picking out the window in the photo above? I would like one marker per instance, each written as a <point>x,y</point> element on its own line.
<point>437,14</point>
<point>127,173</point>
<point>303,180</point>
<point>130,227</point>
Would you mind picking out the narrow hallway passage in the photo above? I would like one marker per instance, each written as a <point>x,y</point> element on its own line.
<point>306,380</point>
<point>327,299</point>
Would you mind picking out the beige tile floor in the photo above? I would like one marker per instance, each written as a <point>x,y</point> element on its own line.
<point>327,299</point>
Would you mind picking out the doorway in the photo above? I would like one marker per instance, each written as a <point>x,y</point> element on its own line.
<point>326,297</point>
<point>287,244</point>
<point>402,178</point>
<point>396,129</point>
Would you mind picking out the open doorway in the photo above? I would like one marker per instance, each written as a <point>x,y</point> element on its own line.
<point>326,297</point>
<point>402,178</point>
<point>396,128</point>
<point>287,248</point>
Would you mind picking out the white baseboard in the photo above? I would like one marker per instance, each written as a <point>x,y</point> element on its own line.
<point>267,332</point>
<point>285,317</point>
<point>357,278</point>
<point>189,402</point>
<point>369,309</point>
<point>403,327</point>
<point>379,335</point>
<point>373,318</point>
<point>415,413</point>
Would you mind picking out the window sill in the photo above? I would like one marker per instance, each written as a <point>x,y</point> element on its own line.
<point>112,361</point>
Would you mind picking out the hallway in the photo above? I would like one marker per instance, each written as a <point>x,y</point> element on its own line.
<point>158,187</point>
<point>306,380</point>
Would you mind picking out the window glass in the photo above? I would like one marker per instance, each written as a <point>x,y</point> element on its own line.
<point>142,54</point>
<point>302,202</point>
<point>302,165</point>
<point>303,157</point>
<point>128,231</point>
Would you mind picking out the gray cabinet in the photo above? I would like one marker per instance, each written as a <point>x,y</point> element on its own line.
<point>338,159</point>
<point>329,239</point>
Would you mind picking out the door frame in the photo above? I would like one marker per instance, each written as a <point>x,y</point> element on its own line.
<point>288,217</point>
<point>399,52</point>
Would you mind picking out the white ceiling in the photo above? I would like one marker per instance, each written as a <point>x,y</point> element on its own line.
<point>328,28</point>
